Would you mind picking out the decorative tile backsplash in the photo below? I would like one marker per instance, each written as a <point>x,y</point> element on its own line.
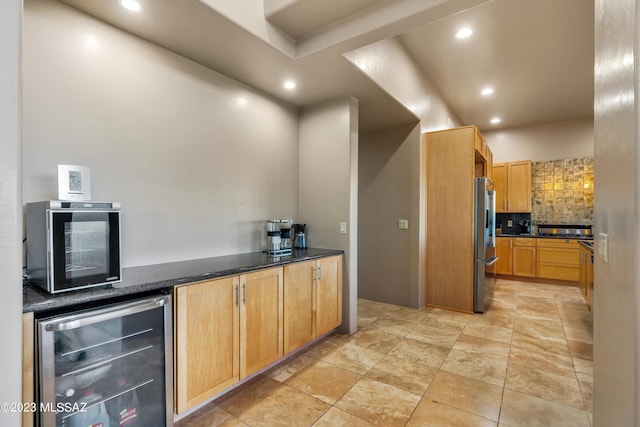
<point>562,191</point>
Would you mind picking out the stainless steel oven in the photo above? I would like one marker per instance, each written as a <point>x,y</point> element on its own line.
<point>107,366</point>
<point>73,245</point>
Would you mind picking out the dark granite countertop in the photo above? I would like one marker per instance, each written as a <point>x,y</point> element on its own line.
<point>587,244</point>
<point>580,239</point>
<point>158,277</point>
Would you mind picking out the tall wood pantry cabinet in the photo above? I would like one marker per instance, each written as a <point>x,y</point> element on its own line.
<point>225,330</point>
<point>454,158</point>
<point>512,182</point>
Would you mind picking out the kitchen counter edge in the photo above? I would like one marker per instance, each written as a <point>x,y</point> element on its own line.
<point>157,277</point>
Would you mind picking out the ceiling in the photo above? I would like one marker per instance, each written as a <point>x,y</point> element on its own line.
<point>537,55</point>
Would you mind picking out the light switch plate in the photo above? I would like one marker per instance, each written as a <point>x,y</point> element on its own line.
<point>603,247</point>
<point>343,228</point>
<point>403,224</point>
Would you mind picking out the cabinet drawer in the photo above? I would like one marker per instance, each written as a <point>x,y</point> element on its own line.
<point>567,257</point>
<point>558,243</point>
<point>524,241</point>
<point>558,272</point>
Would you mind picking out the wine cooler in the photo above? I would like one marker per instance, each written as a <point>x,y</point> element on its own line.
<point>109,366</point>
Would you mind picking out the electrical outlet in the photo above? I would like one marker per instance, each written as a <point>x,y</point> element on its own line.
<point>343,228</point>
<point>403,224</point>
<point>603,247</point>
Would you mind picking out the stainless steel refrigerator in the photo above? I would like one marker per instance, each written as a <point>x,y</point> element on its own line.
<point>485,243</point>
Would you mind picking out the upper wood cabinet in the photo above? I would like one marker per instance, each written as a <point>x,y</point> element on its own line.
<point>512,182</point>
<point>225,330</point>
<point>313,300</point>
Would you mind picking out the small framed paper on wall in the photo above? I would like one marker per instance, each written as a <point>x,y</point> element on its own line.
<point>74,182</point>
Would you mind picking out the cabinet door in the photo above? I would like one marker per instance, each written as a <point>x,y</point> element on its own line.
<point>499,178</point>
<point>589,279</point>
<point>206,340</point>
<point>299,305</point>
<point>519,186</point>
<point>329,294</point>
<point>261,340</point>
<point>503,251</point>
<point>524,261</point>
<point>582,274</point>
<point>28,390</point>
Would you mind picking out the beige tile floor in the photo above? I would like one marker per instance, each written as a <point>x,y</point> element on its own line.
<point>525,362</point>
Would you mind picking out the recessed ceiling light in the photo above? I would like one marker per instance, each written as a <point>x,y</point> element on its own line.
<point>463,33</point>
<point>496,120</point>
<point>131,5</point>
<point>487,91</point>
<point>289,85</point>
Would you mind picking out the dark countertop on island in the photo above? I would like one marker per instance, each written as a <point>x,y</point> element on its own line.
<point>159,277</point>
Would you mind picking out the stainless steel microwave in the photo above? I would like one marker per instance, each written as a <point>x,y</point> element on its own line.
<point>73,245</point>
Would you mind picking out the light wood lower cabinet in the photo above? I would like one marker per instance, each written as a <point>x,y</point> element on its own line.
<point>558,259</point>
<point>313,300</point>
<point>524,257</point>
<point>586,275</point>
<point>504,265</point>
<point>28,384</point>
<point>329,294</point>
<point>225,330</point>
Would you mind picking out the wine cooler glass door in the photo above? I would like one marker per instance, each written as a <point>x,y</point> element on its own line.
<point>109,365</point>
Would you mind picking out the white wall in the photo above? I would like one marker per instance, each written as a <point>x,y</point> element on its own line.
<point>387,59</point>
<point>328,188</point>
<point>616,313</point>
<point>547,141</point>
<point>10,210</point>
<point>393,173</point>
<point>389,189</point>
<point>198,161</point>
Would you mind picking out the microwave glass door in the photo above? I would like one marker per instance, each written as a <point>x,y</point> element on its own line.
<point>85,248</point>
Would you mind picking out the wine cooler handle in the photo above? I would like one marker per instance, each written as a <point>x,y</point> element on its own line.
<point>75,321</point>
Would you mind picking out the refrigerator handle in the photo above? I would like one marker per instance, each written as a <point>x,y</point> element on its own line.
<point>489,262</point>
<point>492,213</point>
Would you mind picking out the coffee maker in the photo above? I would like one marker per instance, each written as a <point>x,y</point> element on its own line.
<point>300,241</point>
<point>279,237</point>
